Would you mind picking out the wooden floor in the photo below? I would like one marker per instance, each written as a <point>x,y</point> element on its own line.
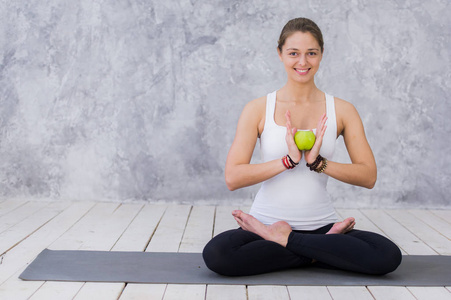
<point>27,227</point>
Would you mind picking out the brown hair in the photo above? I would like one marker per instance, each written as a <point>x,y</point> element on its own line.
<point>302,25</point>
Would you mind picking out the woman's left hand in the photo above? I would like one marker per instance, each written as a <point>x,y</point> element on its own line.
<point>310,156</point>
<point>293,150</point>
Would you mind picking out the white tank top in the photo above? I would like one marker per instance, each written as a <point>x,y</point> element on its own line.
<point>297,196</point>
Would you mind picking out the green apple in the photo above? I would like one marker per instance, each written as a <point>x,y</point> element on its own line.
<point>304,139</point>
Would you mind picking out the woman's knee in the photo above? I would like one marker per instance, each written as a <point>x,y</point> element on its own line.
<point>385,256</point>
<point>216,259</point>
<point>387,261</point>
<point>210,256</point>
<point>394,258</point>
<point>215,255</point>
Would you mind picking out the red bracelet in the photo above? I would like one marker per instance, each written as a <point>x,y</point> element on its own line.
<point>290,166</point>
<point>286,163</point>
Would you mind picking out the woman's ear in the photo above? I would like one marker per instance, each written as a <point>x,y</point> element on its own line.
<point>280,54</point>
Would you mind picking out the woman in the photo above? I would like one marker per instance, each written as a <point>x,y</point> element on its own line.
<point>292,222</point>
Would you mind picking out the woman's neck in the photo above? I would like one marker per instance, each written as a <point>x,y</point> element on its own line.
<point>295,92</point>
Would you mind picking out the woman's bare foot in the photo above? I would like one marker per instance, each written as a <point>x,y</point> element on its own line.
<point>277,232</point>
<point>342,227</point>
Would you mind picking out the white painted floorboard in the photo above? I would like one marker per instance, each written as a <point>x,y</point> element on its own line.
<point>26,228</point>
<point>226,292</point>
<point>405,239</point>
<point>309,292</point>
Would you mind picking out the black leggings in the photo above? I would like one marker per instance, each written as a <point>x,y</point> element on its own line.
<point>238,252</point>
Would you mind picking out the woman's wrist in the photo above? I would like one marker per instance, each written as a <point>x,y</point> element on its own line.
<point>322,167</point>
<point>292,162</point>
<point>296,157</point>
<point>319,165</point>
<point>315,164</point>
<point>288,162</point>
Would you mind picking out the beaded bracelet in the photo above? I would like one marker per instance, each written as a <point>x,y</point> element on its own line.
<point>315,164</point>
<point>323,167</point>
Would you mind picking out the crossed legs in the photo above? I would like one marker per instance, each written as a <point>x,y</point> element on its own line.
<point>256,248</point>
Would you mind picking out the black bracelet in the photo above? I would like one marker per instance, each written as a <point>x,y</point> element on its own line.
<point>291,161</point>
<point>315,164</point>
<point>323,167</point>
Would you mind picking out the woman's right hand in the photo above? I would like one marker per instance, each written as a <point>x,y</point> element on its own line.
<point>311,155</point>
<point>293,150</point>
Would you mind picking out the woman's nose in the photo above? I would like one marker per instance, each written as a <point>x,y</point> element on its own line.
<point>302,59</point>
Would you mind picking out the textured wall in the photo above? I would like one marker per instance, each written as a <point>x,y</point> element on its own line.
<point>139,99</point>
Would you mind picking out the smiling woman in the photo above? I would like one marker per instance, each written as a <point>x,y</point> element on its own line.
<point>302,55</point>
<point>292,222</point>
<point>301,47</point>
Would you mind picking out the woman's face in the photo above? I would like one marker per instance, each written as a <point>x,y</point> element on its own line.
<point>301,56</point>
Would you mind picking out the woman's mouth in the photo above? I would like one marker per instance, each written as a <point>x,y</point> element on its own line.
<point>302,71</point>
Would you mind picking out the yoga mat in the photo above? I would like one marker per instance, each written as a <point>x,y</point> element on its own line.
<point>189,268</point>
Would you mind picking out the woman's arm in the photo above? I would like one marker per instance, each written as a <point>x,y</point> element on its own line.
<point>362,171</point>
<point>238,170</point>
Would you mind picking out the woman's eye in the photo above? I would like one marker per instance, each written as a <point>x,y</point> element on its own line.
<point>312,53</point>
<point>292,54</point>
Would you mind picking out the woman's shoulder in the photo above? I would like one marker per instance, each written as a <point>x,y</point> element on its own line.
<point>343,104</point>
<point>256,106</point>
<point>257,103</point>
<point>346,114</point>
<point>344,108</point>
<point>254,113</point>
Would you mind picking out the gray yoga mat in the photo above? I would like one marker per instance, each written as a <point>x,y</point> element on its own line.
<point>189,268</point>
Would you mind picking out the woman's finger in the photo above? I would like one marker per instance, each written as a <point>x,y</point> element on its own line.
<point>322,121</point>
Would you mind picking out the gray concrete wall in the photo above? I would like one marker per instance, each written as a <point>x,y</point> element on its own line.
<point>138,100</point>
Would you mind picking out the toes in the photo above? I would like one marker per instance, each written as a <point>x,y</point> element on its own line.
<point>350,223</point>
<point>351,226</point>
<point>350,220</point>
